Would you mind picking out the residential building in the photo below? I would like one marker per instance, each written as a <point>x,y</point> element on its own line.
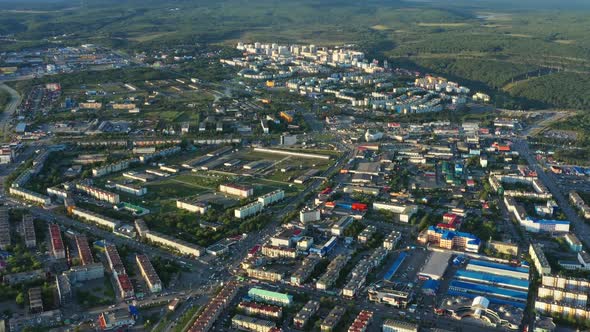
<point>115,320</point>
<point>246,323</point>
<point>28,231</point>
<point>236,190</point>
<point>303,316</point>
<point>197,207</point>
<point>270,297</point>
<point>262,310</point>
<point>450,239</point>
<point>84,252</point>
<point>331,321</point>
<point>215,307</point>
<point>540,261</point>
<point>149,273</point>
<point>4,228</point>
<point>95,218</point>
<point>35,300</point>
<point>56,242</point>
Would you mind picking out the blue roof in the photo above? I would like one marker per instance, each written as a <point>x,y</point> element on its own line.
<point>488,290</point>
<point>395,266</point>
<point>493,278</point>
<point>549,221</point>
<point>499,266</point>
<point>449,235</point>
<point>431,284</point>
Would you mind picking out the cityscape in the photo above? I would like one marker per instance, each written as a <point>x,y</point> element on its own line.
<point>258,185</point>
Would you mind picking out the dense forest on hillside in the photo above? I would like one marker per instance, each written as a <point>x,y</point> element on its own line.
<point>565,90</point>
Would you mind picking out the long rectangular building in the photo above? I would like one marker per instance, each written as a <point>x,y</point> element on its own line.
<point>30,196</point>
<point>84,252</point>
<point>98,193</point>
<point>4,228</point>
<point>236,190</point>
<point>95,218</point>
<point>28,231</point>
<point>114,260</point>
<point>179,245</point>
<point>149,273</point>
<point>57,245</point>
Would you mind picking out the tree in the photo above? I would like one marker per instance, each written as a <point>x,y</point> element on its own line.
<point>20,298</point>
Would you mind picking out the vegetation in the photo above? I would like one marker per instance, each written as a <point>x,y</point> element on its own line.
<point>564,89</point>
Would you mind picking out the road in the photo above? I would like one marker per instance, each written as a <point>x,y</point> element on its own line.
<point>6,116</point>
<point>581,229</point>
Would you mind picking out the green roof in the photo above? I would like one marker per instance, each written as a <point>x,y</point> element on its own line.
<point>257,292</point>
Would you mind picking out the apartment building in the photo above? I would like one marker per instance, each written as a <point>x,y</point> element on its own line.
<point>262,310</point>
<point>84,253</point>
<point>304,315</point>
<point>236,190</point>
<point>540,261</point>
<point>56,242</point>
<point>450,239</point>
<point>149,273</point>
<point>4,228</point>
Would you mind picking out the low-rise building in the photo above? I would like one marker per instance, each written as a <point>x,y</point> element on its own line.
<point>332,272</point>
<point>246,323</point>
<point>270,297</point>
<point>95,218</point>
<point>35,300</point>
<point>391,325</point>
<point>114,320</point>
<point>262,310</point>
<point>197,207</point>
<point>236,190</point>
<point>540,261</point>
<point>56,242</point>
<point>27,231</point>
<point>391,240</point>
<point>131,189</point>
<point>4,228</point>
<point>331,321</point>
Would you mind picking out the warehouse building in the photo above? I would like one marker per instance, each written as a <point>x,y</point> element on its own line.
<point>518,272</point>
<point>436,265</point>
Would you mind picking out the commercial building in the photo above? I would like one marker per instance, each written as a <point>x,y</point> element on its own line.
<point>331,321</point>
<point>499,316</point>
<point>95,218</point>
<point>236,190</point>
<point>332,272</point>
<point>391,325</point>
<point>215,307</point>
<point>197,207</point>
<point>266,296</point>
<point>278,252</point>
<point>84,253</point>
<point>4,228</point>
<point>504,248</point>
<point>46,319</point>
<point>28,231</point>
<point>114,320</point>
<point>247,323</point>
<point>436,265</point>
<point>518,272</point>
<point>262,310</point>
<point>339,227</point>
<point>450,239</point>
<point>303,316</point>
<point>539,259</point>
<point>397,295</point>
<point>149,273</point>
<point>56,245</point>
<point>30,196</point>
<point>402,212</point>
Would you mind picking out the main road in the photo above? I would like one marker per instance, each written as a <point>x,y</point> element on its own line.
<point>581,229</point>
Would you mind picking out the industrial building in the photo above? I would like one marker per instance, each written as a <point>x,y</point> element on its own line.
<point>270,297</point>
<point>518,272</point>
<point>149,273</point>
<point>56,242</point>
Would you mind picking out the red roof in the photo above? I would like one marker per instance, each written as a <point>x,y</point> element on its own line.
<point>56,240</point>
<point>125,283</point>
